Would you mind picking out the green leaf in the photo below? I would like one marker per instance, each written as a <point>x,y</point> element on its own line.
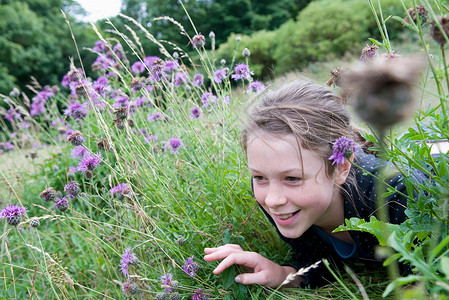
<point>228,277</point>
<point>376,42</point>
<point>392,258</point>
<point>226,237</point>
<point>240,292</point>
<point>228,297</point>
<point>444,266</point>
<point>400,281</point>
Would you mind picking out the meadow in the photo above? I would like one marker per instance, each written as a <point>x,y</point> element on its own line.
<point>112,186</point>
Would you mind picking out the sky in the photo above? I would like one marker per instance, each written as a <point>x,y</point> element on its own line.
<point>99,9</point>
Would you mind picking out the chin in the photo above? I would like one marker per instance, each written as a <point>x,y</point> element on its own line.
<point>290,234</point>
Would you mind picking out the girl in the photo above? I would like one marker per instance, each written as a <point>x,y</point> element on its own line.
<point>289,140</point>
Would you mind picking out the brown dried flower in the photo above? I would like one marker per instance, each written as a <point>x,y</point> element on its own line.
<point>422,14</point>
<point>435,31</point>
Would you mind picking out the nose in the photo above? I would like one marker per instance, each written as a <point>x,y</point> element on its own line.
<point>275,196</point>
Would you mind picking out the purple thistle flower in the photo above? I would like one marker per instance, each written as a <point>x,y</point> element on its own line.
<point>89,162</point>
<point>199,295</point>
<point>8,146</point>
<point>127,258</point>
<point>171,65</point>
<point>174,143</point>
<point>180,78</point>
<point>219,75</point>
<point>166,280</point>
<point>100,46</point>
<point>72,188</point>
<point>138,67</point>
<point>12,210</point>
<point>78,151</point>
<point>140,101</point>
<point>198,41</point>
<point>76,110</point>
<point>155,116</point>
<point>190,267</point>
<point>12,115</point>
<point>198,79</point>
<point>62,204</point>
<point>75,137</point>
<point>195,113</point>
<point>208,98</point>
<point>148,61</point>
<point>343,148</point>
<point>120,189</point>
<point>242,71</point>
<point>255,87</point>
<point>101,85</point>
<point>37,107</point>
<point>226,99</point>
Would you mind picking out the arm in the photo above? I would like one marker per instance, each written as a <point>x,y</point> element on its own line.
<point>261,270</point>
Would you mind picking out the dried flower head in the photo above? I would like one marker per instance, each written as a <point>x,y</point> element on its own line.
<point>104,145</point>
<point>13,214</point>
<point>136,84</point>
<point>121,113</point>
<point>436,32</point>
<point>384,90</point>
<point>198,41</point>
<point>72,188</point>
<point>76,138</point>
<point>129,287</point>
<point>343,149</point>
<point>369,53</point>
<point>119,123</point>
<point>49,194</point>
<point>422,14</point>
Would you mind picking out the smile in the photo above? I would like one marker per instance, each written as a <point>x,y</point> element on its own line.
<point>287,216</point>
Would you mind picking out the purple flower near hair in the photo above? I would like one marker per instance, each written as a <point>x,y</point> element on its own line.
<point>89,162</point>
<point>343,148</point>
<point>174,143</point>
<point>208,98</point>
<point>195,113</point>
<point>12,210</point>
<point>62,204</point>
<point>198,79</point>
<point>190,267</point>
<point>166,280</point>
<point>219,75</point>
<point>78,151</point>
<point>255,87</point>
<point>127,258</point>
<point>180,78</point>
<point>138,67</point>
<point>76,110</point>
<point>242,71</point>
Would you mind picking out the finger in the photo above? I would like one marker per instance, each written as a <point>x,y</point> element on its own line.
<point>232,246</point>
<point>221,253</point>
<point>247,259</point>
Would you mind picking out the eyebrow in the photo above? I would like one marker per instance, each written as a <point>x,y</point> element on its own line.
<point>283,172</point>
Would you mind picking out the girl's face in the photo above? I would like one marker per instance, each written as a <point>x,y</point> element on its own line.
<point>295,192</point>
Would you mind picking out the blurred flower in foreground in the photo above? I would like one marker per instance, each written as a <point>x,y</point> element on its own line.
<point>436,32</point>
<point>383,90</point>
<point>255,87</point>
<point>198,41</point>
<point>13,214</point>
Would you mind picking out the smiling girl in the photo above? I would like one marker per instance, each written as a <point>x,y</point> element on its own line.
<point>306,185</point>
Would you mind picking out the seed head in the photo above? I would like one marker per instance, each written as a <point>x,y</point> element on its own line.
<point>121,113</point>
<point>422,14</point>
<point>246,52</point>
<point>76,138</point>
<point>435,31</point>
<point>175,296</point>
<point>35,223</point>
<point>49,194</point>
<point>161,296</point>
<point>129,287</point>
<point>119,123</point>
<point>198,41</point>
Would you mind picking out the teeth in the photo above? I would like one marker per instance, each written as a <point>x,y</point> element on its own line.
<point>283,217</point>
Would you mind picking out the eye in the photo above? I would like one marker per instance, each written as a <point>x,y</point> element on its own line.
<point>259,179</point>
<point>291,179</point>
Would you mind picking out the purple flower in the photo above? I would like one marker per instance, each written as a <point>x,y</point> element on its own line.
<point>242,71</point>
<point>100,84</point>
<point>219,75</point>
<point>155,116</point>
<point>78,151</point>
<point>121,101</point>
<point>138,67</point>
<point>140,101</point>
<point>127,258</point>
<point>37,107</point>
<point>199,295</point>
<point>148,61</point>
<point>195,113</point>
<point>208,98</point>
<point>226,99</point>
<point>75,137</point>
<point>180,78</point>
<point>166,280</point>
<point>72,188</point>
<point>8,146</point>
<point>198,41</point>
<point>343,148</point>
<point>120,189</point>
<point>255,87</point>
<point>100,46</point>
<point>170,65</point>
<point>62,204</point>
<point>12,210</point>
<point>12,115</point>
<point>76,110</point>
<point>89,162</point>
<point>198,79</point>
<point>174,143</point>
<point>190,267</point>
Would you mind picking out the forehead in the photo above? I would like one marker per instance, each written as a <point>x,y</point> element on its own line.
<point>267,152</point>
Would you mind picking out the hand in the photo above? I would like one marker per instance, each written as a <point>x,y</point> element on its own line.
<point>262,270</point>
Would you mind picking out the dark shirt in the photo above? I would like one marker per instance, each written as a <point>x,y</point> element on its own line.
<point>359,202</point>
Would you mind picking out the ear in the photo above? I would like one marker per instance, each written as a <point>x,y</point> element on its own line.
<point>342,171</point>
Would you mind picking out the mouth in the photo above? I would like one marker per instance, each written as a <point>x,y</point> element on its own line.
<point>287,216</point>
